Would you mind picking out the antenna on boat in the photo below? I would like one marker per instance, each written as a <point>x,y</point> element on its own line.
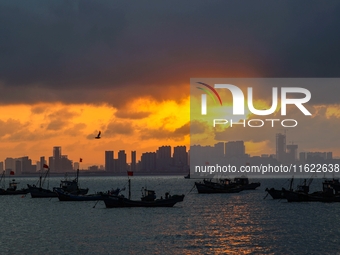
<point>77,175</point>
<point>129,173</point>
<point>3,177</point>
<point>129,188</point>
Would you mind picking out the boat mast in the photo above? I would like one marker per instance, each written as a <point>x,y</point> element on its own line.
<point>47,172</point>
<point>77,175</point>
<point>129,188</point>
<point>291,183</point>
<point>3,177</point>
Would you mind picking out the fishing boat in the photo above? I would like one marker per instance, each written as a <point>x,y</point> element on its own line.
<point>148,199</point>
<point>72,186</point>
<point>244,183</point>
<point>226,185</point>
<point>300,194</point>
<point>12,188</point>
<point>39,191</point>
<point>334,183</point>
<point>278,193</point>
<point>275,193</point>
<point>65,196</point>
<point>329,193</point>
<point>223,186</point>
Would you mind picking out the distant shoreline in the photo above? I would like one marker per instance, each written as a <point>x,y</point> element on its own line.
<point>99,173</point>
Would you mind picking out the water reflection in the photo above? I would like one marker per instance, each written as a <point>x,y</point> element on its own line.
<point>242,223</point>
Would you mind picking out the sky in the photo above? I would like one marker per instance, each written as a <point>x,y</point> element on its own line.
<point>71,68</point>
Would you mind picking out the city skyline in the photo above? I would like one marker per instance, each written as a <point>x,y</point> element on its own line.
<point>163,159</point>
<point>60,163</point>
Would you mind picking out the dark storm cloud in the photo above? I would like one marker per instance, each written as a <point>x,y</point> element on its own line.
<point>112,51</point>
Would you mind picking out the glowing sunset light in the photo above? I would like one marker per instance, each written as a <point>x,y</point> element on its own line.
<point>33,130</point>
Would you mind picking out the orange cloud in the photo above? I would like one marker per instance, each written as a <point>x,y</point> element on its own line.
<point>34,129</point>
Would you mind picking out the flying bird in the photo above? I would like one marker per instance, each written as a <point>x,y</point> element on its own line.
<point>98,136</point>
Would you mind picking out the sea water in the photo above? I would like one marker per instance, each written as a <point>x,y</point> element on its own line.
<point>240,223</point>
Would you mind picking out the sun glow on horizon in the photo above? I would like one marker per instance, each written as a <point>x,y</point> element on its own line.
<point>33,130</point>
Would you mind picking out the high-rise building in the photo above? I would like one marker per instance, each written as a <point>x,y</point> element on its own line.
<point>10,164</point>
<point>116,165</point>
<point>281,147</point>
<point>148,162</point>
<point>122,166</point>
<point>235,150</point>
<point>18,166</point>
<point>109,163</point>
<point>57,159</point>
<point>1,167</point>
<point>291,155</point>
<point>219,149</point>
<point>42,162</point>
<point>66,164</point>
<point>51,164</point>
<point>180,156</point>
<point>163,158</point>
<point>133,161</point>
<point>25,165</point>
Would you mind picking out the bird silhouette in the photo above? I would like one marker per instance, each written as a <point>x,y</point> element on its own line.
<point>98,136</point>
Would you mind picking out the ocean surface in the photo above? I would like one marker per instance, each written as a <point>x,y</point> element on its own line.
<point>242,223</point>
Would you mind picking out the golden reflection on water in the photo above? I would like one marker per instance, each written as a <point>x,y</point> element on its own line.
<point>232,229</point>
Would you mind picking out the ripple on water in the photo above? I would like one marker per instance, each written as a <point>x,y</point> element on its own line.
<point>242,223</point>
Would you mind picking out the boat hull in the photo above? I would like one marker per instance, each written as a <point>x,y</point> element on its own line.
<point>40,192</point>
<point>63,196</point>
<point>275,193</point>
<point>13,192</point>
<point>204,188</point>
<point>119,201</point>
<point>319,196</point>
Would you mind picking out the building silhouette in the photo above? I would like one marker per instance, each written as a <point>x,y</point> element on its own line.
<point>122,165</point>
<point>42,163</point>
<point>109,163</point>
<point>148,162</point>
<point>163,158</point>
<point>133,161</point>
<point>180,156</point>
<point>56,159</point>
<point>235,150</point>
<point>281,147</point>
<point>291,154</point>
<point>219,149</point>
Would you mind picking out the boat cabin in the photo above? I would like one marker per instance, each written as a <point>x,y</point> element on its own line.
<point>12,185</point>
<point>149,195</point>
<point>225,181</point>
<point>69,186</point>
<point>331,187</point>
<point>241,181</point>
